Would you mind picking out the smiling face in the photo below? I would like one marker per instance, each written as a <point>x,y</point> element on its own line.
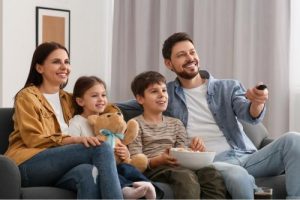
<point>93,101</point>
<point>155,98</point>
<point>184,60</point>
<point>55,70</point>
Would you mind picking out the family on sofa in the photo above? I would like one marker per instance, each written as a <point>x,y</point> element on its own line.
<point>195,110</point>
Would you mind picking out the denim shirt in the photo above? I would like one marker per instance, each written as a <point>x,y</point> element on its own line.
<point>226,102</point>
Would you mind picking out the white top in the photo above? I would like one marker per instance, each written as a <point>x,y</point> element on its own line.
<point>79,126</point>
<point>201,122</point>
<point>54,101</point>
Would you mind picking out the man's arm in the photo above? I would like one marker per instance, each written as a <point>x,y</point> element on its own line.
<point>245,104</point>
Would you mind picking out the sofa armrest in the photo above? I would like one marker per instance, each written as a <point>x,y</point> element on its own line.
<point>10,179</point>
<point>257,133</point>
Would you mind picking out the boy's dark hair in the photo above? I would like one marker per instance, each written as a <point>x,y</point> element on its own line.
<point>171,41</point>
<point>142,81</point>
<point>82,84</point>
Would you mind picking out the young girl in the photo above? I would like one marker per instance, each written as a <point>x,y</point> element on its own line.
<point>89,97</point>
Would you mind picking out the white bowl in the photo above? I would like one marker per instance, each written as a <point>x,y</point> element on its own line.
<point>191,159</point>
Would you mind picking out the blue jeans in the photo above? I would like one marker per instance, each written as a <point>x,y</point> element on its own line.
<point>282,155</point>
<point>91,172</point>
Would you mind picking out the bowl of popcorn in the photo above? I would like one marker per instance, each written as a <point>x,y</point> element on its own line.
<point>190,159</point>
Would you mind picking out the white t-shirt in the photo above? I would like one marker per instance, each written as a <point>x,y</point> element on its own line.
<point>79,126</point>
<point>54,101</point>
<point>201,122</point>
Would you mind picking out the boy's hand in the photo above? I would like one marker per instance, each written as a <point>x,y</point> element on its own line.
<point>167,159</point>
<point>163,159</point>
<point>197,144</point>
<point>122,151</point>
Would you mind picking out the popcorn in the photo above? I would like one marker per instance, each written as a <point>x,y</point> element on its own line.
<point>184,149</point>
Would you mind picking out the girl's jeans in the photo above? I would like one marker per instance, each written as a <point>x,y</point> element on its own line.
<point>129,174</point>
<point>91,172</point>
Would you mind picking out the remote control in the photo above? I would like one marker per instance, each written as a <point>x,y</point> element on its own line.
<point>261,87</point>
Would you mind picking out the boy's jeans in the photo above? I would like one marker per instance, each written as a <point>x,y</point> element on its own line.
<point>282,155</point>
<point>206,183</point>
<point>91,172</point>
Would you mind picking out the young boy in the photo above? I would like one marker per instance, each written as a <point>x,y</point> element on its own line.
<point>159,133</point>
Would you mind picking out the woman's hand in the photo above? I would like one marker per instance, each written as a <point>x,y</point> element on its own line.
<point>122,151</point>
<point>87,141</point>
<point>197,144</point>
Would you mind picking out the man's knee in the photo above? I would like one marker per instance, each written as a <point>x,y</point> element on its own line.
<point>291,138</point>
<point>290,142</point>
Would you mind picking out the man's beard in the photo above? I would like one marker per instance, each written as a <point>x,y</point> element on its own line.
<point>185,75</point>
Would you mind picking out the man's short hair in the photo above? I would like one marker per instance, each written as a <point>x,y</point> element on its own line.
<point>142,81</point>
<point>171,41</point>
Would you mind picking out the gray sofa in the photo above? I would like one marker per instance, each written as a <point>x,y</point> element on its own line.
<point>10,180</point>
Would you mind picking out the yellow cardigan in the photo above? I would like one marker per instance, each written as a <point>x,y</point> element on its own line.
<point>36,127</point>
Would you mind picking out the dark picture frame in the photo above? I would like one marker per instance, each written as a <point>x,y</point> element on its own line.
<point>53,24</point>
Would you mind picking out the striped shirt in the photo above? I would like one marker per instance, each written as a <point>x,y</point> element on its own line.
<point>154,139</point>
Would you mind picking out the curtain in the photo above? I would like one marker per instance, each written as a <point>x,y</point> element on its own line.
<point>246,40</point>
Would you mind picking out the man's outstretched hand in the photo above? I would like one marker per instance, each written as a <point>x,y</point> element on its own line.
<point>258,96</point>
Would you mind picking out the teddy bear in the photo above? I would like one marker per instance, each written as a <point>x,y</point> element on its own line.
<point>112,128</point>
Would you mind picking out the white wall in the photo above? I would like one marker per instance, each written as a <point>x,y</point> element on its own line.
<point>91,35</point>
<point>295,67</point>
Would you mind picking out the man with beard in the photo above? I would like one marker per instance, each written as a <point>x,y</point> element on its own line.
<point>210,109</point>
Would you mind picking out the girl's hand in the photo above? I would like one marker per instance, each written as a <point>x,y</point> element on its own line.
<point>122,151</point>
<point>197,144</point>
